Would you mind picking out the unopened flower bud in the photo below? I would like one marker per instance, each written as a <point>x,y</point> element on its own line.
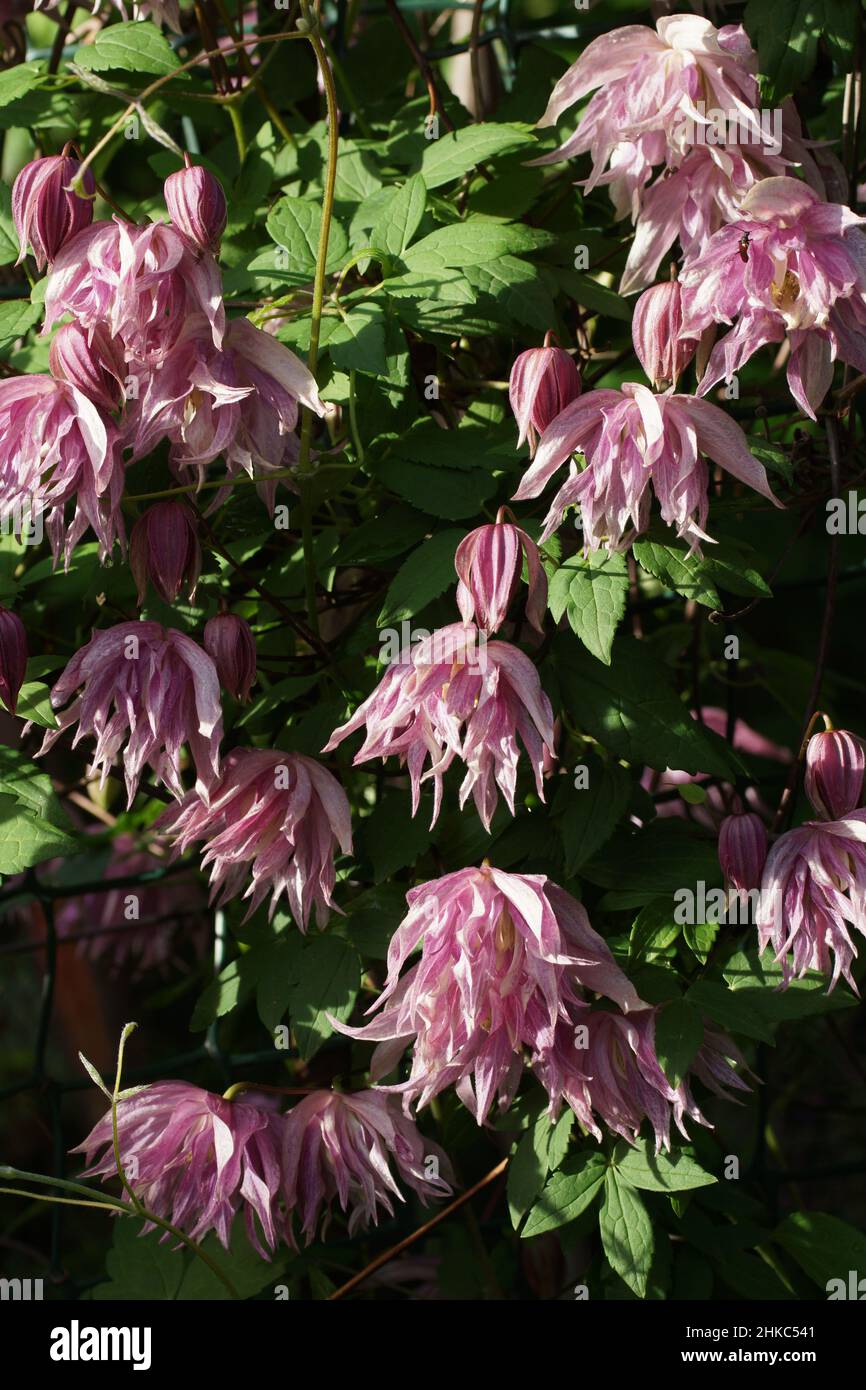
<point>13,657</point>
<point>164,548</point>
<point>835,764</point>
<point>657,334</point>
<point>229,641</point>
<point>543,382</point>
<point>93,362</point>
<point>743,850</point>
<point>488,563</point>
<point>197,205</point>
<point>45,209</point>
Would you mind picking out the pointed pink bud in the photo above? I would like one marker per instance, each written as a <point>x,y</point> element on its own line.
<point>229,641</point>
<point>657,334</point>
<point>543,382</point>
<point>197,205</point>
<point>835,763</point>
<point>164,548</point>
<point>46,210</point>
<point>488,563</point>
<point>95,363</point>
<point>13,657</point>
<point>743,850</point>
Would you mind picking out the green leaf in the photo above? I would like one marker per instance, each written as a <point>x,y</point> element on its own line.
<point>632,709</point>
<point>758,980</point>
<point>674,567</point>
<point>33,824</point>
<point>15,82</point>
<point>728,1010</point>
<point>392,838</point>
<point>626,1232</point>
<point>357,342</point>
<point>455,153</point>
<point>656,859</point>
<point>329,978</point>
<point>528,1168</point>
<point>587,816</point>
<point>34,703</point>
<point>640,1166</point>
<point>141,1268</point>
<point>787,39</point>
<point>396,225</point>
<point>17,317</point>
<point>589,294</point>
<point>450,493</point>
<point>518,289</point>
<point>569,1192</point>
<point>591,593</point>
<point>473,242</point>
<point>654,929</point>
<point>825,1247</point>
<point>678,1035</point>
<point>427,573</point>
<point>295,224</point>
<point>137,46</point>
<point>8,234</point>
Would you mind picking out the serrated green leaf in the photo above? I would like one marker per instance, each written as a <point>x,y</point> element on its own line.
<point>426,574</point>
<point>569,1192</point>
<point>626,1232</point>
<point>640,1166</point>
<point>455,153</point>
<point>591,593</point>
<point>588,815</point>
<point>679,1032</point>
<point>136,46</point>
<point>826,1248</point>
<point>398,222</point>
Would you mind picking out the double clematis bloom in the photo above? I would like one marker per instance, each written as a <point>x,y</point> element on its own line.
<point>792,266</point>
<point>341,1147</point>
<point>605,1064</point>
<point>813,894</point>
<point>542,383</point>
<point>58,448</point>
<point>240,402</point>
<point>458,696</point>
<point>92,361</point>
<point>144,692</point>
<point>196,1160</point>
<point>631,438</point>
<point>488,563</point>
<point>140,284</point>
<point>504,957</point>
<point>46,210</point>
<point>275,817</point>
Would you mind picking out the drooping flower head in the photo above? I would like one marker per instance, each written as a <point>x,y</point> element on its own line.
<point>90,360</point>
<point>631,438</point>
<point>743,850</point>
<point>488,563</point>
<point>141,928</point>
<point>813,894</point>
<point>542,383</point>
<point>46,210</point>
<point>457,696</point>
<point>228,638</point>
<point>58,449</point>
<point>13,657</point>
<point>143,691</point>
<point>835,766</point>
<point>605,1064</point>
<point>503,958</point>
<point>656,331</point>
<point>273,822</point>
<point>141,284</point>
<point>342,1148</point>
<point>240,402</point>
<point>197,205</point>
<point>790,264</point>
<point>196,1160</point>
<point>164,549</point>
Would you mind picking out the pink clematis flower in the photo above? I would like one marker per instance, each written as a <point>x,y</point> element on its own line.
<point>784,268</point>
<point>45,209</point>
<point>197,205</point>
<point>630,438</point>
<point>488,564</point>
<point>657,334</point>
<point>164,548</point>
<point>92,361</point>
<point>228,638</point>
<point>241,402</point>
<point>341,1147</point>
<point>835,768</point>
<point>743,850</point>
<point>169,912</point>
<point>276,816</point>
<point>458,696</point>
<point>57,447</point>
<point>503,958</point>
<point>141,284</point>
<point>196,1159</point>
<point>151,689</point>
<point>812,894</point>
<point>13,657</point>
<point>606,1064</point>
<point>542,382</point>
